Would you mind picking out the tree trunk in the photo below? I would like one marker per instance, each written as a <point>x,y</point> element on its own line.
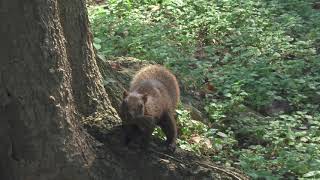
<point>49,80</point>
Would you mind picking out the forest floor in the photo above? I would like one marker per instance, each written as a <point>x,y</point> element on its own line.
<point>117,74</point>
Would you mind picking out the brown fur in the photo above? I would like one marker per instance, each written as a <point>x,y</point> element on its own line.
<point>160,73</point>
<point>152,100</point>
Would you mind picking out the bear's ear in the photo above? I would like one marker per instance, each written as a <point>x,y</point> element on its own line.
<point>145,98</point>
<point>125,94</point>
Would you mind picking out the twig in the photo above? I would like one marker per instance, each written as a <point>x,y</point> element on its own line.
<point>235,175</point>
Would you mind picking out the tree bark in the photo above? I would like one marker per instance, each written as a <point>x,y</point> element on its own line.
<point>87,88</point>
<point>49,80</point>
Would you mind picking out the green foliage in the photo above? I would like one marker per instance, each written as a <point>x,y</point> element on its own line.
<point>293,147</point>
<point>190,131</point>
<point>120,31</point>
<point>253,52</point>
<point>233,104</point>
<point>188,128</point>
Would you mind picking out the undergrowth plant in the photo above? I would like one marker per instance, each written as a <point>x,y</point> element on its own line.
<point>260,56</point>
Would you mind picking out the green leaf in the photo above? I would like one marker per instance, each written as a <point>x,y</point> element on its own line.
<point>311,174</point>
<point>97,46</point>
<point>97,40</point>
<point>221,134</point>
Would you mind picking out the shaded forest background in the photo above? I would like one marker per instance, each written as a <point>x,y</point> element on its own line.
<point>249,72</point>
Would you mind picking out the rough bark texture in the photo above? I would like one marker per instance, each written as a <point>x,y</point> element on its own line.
<point>117,74</point>
<point>74,20</point>
<point>46,72</point>
<point>49,80</point>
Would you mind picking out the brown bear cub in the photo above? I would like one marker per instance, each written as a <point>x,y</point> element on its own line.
<point>151,100</point>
